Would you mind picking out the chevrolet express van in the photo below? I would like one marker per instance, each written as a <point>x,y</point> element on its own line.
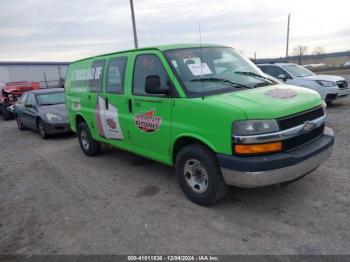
<point>204,109</point>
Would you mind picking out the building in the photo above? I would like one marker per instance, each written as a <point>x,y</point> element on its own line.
<point>48,74</point>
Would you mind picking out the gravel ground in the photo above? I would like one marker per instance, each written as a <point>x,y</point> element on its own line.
<point>55,200</point>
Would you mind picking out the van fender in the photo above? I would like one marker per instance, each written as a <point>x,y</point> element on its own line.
<point>78,118</point>
<point>193,137</point>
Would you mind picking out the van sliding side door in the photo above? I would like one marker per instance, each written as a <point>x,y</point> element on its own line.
<point>112,106</point>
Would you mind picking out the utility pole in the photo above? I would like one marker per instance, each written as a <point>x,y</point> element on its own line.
<point>133,23</point>
<point>59,73</point>
<point>47,86</point>
<point>59,77</point>
<point>287,47</point>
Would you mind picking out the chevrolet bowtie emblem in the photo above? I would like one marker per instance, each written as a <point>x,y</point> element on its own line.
<point>308,126</point>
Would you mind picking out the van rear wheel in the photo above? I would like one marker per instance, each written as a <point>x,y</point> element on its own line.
<point>89,146</point>
<point>199,175</point>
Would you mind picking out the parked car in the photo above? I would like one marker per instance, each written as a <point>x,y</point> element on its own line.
<point>43,110</point>
<point>328,86</point>
<point>10,92</point>
<point>204,109</point>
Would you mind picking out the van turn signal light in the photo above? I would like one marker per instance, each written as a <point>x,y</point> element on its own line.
<point>258,148</point>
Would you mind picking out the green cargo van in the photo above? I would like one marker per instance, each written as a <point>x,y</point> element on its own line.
<point>204,109</point>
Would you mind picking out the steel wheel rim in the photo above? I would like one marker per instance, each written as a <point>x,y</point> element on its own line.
<point>196,176</point>
<point>84,139</point>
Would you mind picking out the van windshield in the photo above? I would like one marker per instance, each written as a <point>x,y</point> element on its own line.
<point>213,70</point>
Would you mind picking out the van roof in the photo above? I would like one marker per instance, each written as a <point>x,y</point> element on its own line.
<point>159,48</point>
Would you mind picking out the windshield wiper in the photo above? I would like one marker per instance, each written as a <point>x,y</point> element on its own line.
<point>247,73</point>
<point>222,80</point>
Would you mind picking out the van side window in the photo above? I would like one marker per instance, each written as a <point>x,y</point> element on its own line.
<point>97,69</point>
<point>146,65</point>
<point>115,75</point>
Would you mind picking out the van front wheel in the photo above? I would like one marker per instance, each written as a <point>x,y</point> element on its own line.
<point>199,175</point>
<point>89,146</point>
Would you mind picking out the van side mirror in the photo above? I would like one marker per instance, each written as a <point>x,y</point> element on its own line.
<point>153,86</point>
<point>282,77</point>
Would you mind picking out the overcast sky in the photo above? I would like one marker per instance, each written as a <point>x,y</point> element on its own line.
<point>67,30</point>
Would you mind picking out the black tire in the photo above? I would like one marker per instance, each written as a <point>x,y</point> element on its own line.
<point>215,187</point>
<point>6,115</point>
<point>89,146</point>
<point>20,124</point>
<point>41,129</point>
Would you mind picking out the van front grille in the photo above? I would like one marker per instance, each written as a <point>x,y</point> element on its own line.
<point>300,118</point>
<point>298,141</point>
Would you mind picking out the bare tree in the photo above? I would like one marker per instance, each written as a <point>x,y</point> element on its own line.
<point>300,50</point>
<point>318,50</point>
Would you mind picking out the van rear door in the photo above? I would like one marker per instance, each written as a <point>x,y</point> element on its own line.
<point>95,90</point>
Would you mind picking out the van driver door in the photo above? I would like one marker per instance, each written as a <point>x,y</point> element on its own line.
<point>151,113</point>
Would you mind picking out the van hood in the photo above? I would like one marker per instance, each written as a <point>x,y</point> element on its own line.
<point>324,78</point>
<point>271,101</point>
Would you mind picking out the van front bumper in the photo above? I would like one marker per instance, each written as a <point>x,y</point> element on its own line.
<point>264,170</point>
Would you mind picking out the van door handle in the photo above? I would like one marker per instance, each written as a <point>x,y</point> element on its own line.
<point>106,103</point>
<point>130,105</point>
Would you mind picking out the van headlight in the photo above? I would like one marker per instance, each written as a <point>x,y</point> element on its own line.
<point>53,117</point>
<point>254,127</point>
<point>325,83</point>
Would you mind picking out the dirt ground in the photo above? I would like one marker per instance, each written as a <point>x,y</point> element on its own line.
<point>55,200</point>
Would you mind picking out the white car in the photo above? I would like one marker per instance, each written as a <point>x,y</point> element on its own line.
<point>328,86</point>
